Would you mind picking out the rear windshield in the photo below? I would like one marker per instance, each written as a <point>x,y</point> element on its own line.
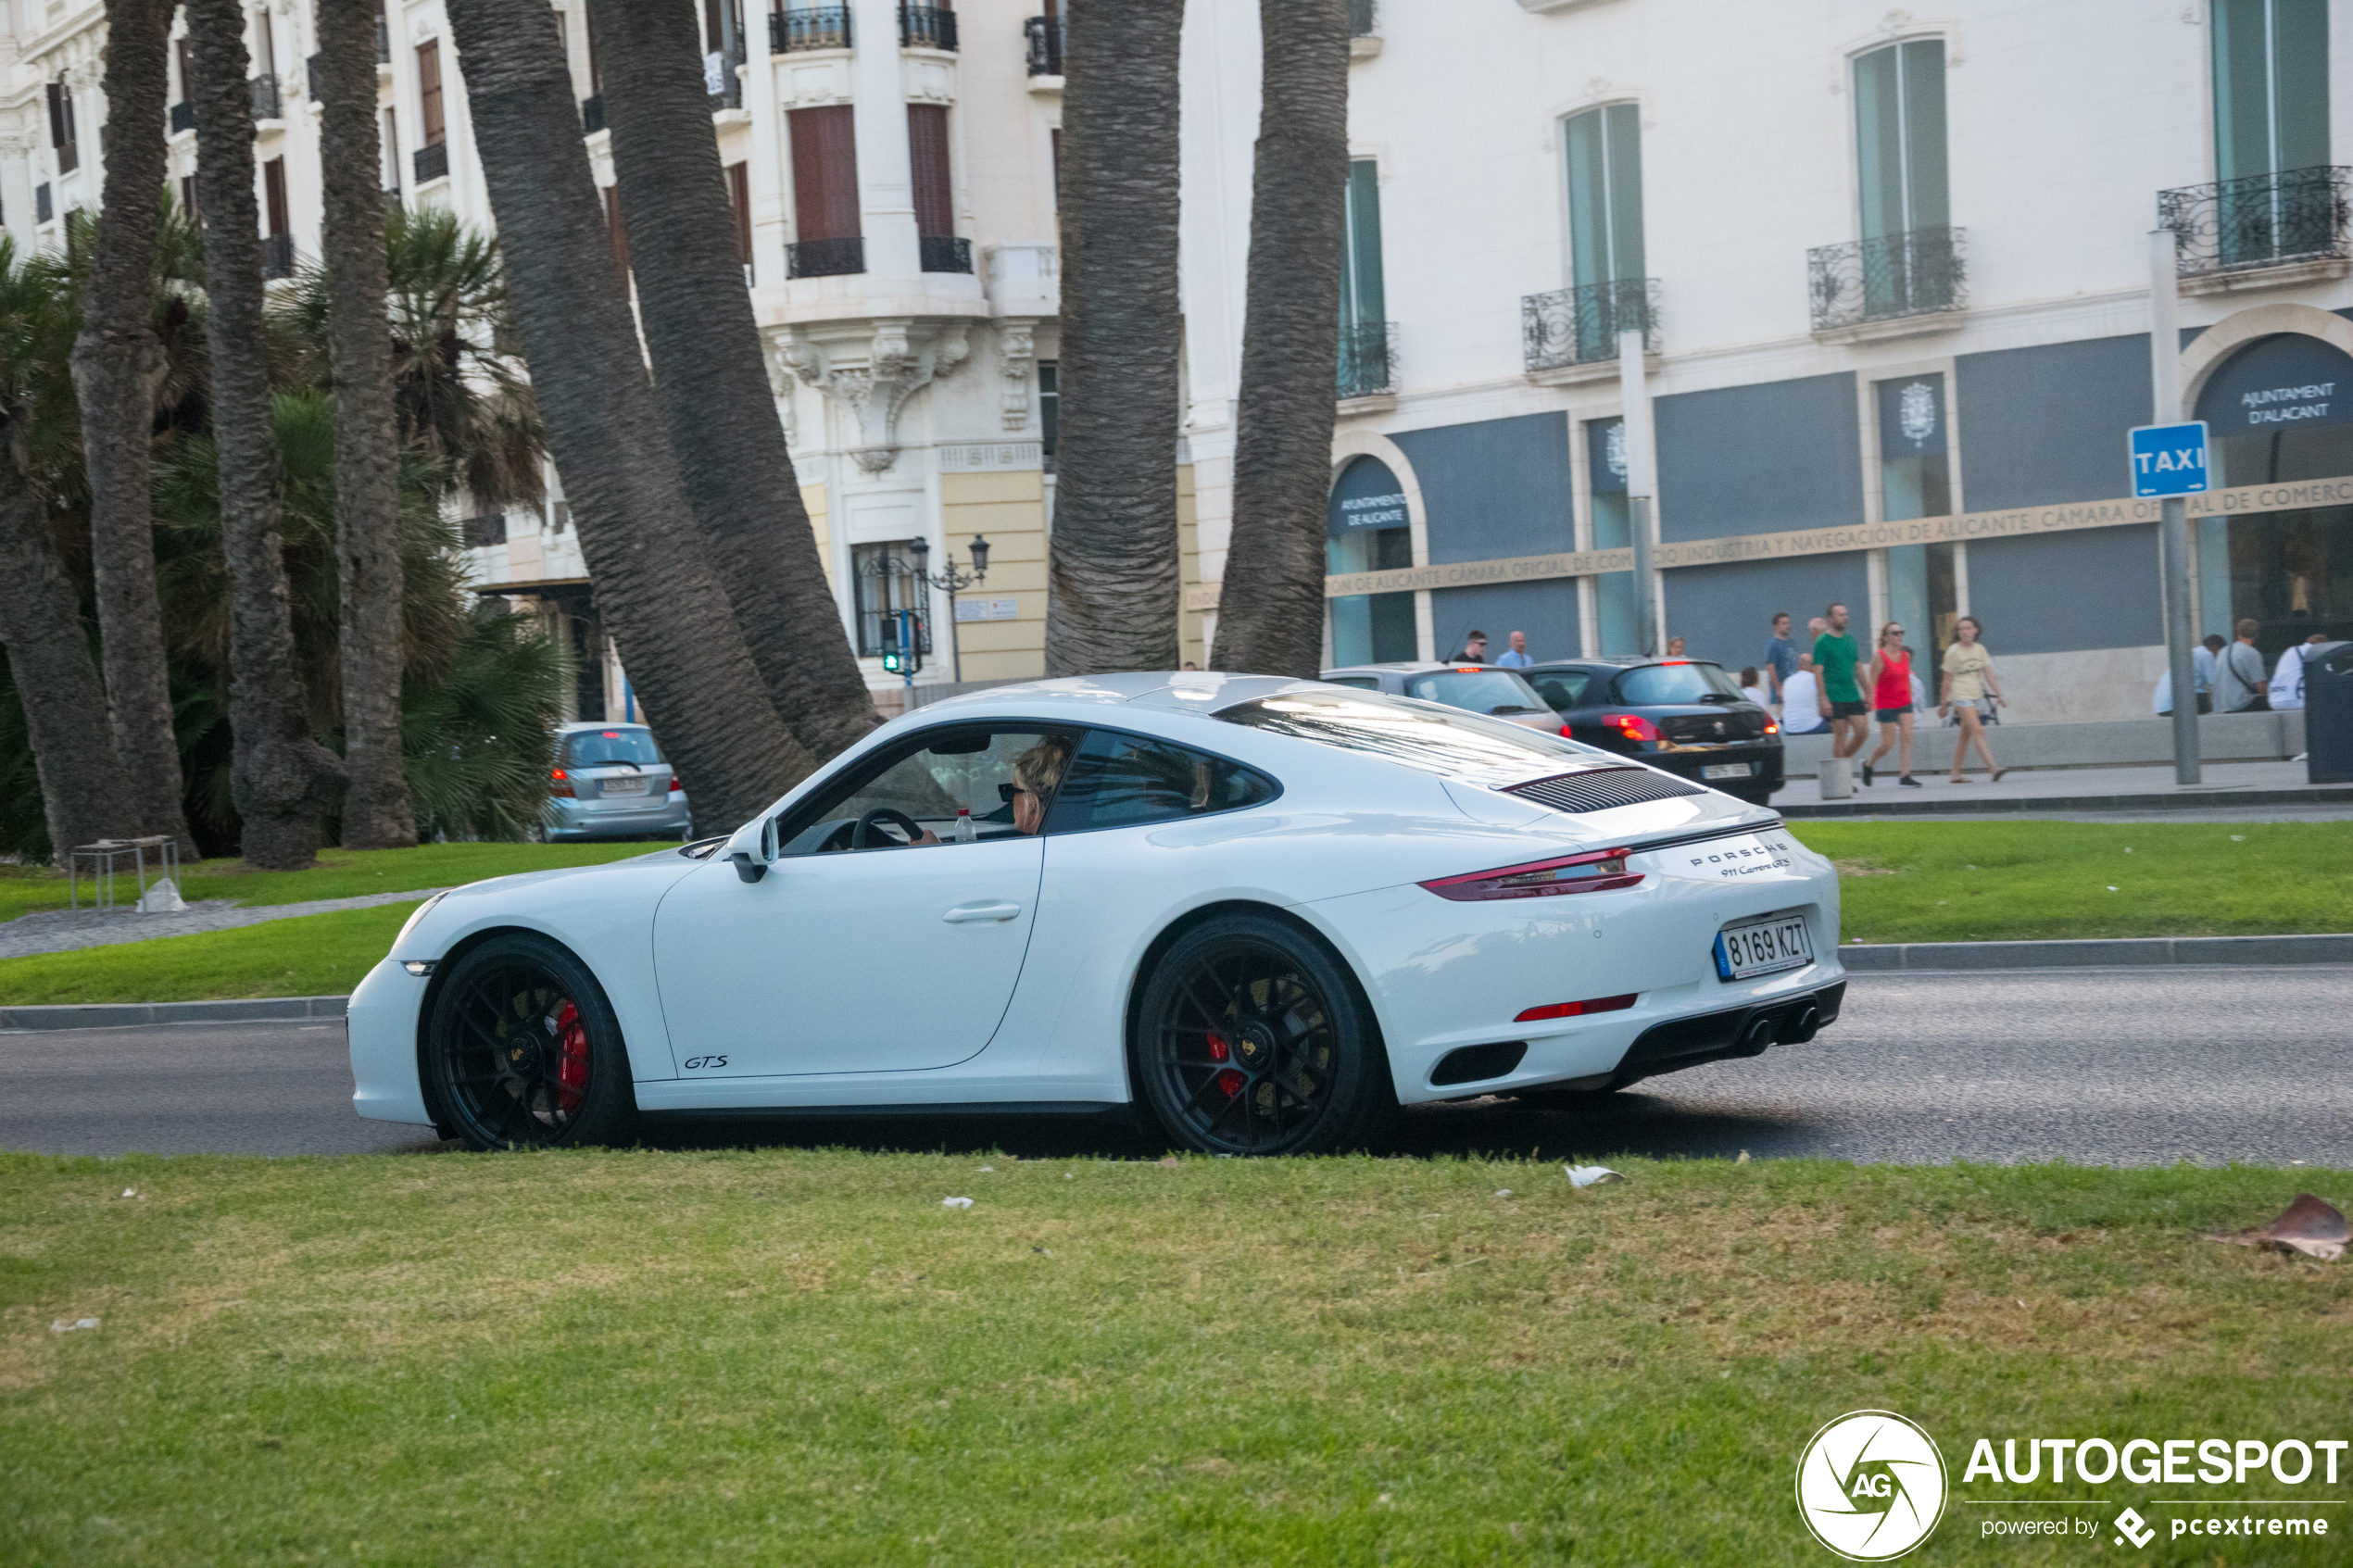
<point>1420,735</point>
<point>1480,691</point>
<point>592,748</point>
<point>1655,685</point>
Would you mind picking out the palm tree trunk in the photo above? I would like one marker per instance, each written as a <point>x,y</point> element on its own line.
<point>280,778</point>
<point>376,809</point>
<point>1270,615</point>
<point>714,389</point>
<point>661,598</point>
<point>117,363</point>
<point>85,787</point>
<point>1111,562</point>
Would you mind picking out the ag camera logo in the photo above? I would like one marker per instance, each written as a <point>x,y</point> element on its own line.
<point>1872,1486</point>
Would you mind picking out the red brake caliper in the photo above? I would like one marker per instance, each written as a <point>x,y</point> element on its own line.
<point>571,1073</point>
<point>1229,1081</point>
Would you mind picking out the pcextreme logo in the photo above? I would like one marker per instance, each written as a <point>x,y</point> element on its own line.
<point>1871,1485</point>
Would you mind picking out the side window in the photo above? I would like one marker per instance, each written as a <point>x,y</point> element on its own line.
<point>1119,781</point>
<point>1563,689</point>
<point>1361,683</point>
<point>1005,778</point>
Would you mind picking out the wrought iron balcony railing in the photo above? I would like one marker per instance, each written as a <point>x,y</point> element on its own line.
<point>2261,220</point>
<point>184,117</point>
<point>1367,358</point>
<point>825,259</point>
<point>277,255</point>
<point>265,98</point>
<point>1580,326</point>
<point>926,26</point>
<point>818,27</point>
<point>592,114</point>
<point>1362,18</point>
<point>1045,35</point>
<point>945,253</point>
<point>1918,272</point>
<point>433,162</point>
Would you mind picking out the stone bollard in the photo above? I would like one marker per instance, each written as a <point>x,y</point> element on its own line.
<point>1837,776</point>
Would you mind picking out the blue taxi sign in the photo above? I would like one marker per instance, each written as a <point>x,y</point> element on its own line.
<point>2169,459</point>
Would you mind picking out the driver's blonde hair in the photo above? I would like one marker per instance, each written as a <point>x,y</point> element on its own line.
<point>1041,768</point>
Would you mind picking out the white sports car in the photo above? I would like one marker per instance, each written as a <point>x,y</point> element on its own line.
<point>1264,912</point>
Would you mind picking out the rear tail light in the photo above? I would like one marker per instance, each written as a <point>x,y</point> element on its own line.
<point>1597,871</point>
<point>561,784</point>
<point>677,785</point>
<point>1633,726</point>
<point>1578,1010</point>
<point>1772,728</point>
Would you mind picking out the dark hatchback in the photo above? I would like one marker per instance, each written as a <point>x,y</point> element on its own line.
<point>1683,715</point>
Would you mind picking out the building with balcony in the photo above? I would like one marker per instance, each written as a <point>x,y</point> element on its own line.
<point>1892,278</point>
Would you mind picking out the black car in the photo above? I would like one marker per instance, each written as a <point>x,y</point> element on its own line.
<point>1683,715</point>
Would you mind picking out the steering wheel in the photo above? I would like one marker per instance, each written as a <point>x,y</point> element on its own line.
<point>861,839</point>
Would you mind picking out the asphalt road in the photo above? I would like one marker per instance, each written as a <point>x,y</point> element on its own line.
<point>2100,1066</point>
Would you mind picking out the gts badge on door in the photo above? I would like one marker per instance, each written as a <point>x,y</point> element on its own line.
<point>703,1063</point>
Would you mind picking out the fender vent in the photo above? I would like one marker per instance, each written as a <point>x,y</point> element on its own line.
<point>1601,788</point>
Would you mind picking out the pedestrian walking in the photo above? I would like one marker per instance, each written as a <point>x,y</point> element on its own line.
<point>1970,689</point>
<point>1752,687</point>
<point>2287,678</point>
<point>1838,660</point>
<point>1473,651</point>
<point>1515,657</point>
<point>2240,683</point>
<point>1802,712</point>
<point>1781,656</point>
<point>1891,677</point>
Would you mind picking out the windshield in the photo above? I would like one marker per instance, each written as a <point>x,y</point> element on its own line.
<point>1659,684</point>
<point>1420,735</point>
<point>600,749</point>
<point>1480,691</point>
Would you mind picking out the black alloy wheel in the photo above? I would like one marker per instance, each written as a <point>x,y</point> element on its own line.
<point>1251,1040</point>
<point>523,1051</point>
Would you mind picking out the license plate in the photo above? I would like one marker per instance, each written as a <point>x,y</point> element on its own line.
<point>1729,771</point>
<point>623,786</point>
<point>1750,947</point>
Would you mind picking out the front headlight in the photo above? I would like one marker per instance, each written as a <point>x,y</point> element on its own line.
<point>414,916</point>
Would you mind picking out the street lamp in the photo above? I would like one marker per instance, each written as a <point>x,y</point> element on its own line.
<point>950,580</point>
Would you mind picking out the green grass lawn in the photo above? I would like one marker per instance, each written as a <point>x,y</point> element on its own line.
<point>1996,881</point>
<point>800,1357</point>
<point>340,874</point>
<point>307,956</point>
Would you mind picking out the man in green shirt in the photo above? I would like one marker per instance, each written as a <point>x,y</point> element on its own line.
<point>1835,657</point>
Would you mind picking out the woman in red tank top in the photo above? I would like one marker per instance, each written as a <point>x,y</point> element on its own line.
<point>1890,678</point>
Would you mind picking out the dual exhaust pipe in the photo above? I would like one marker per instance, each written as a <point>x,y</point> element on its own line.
<point>1785,1026</point>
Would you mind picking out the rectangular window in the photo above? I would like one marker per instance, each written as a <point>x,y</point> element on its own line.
<point>61,131</point>
<point>1899,135</point>
<point>429,92</point>
<point>188,196</point>
<point>740,206</point>
<point>273,197</point>
<point>187,64</point>
<point>1915,467</point>
<point>882,588</point>
<point>1605,194</point>
<point>390,151</point>
<point>2270,86</point>
<point>265,47</point>
<point>615,232</point>
<point>1615,609</point>
<point>1362,301</point>
<point>927,160</point>
<point>1050,405</point>
<point>824,173</point>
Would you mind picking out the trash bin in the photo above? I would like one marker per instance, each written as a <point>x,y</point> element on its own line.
<point>2328,714</point>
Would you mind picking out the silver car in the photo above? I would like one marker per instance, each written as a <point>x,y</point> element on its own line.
<point>611,780</point>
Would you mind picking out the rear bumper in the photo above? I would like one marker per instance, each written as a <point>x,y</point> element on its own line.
<point>1765,759</point>
<point>1741,1030</point>
<point>569,821</point>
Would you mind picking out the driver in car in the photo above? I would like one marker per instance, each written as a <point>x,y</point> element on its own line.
<point>1036,772</point>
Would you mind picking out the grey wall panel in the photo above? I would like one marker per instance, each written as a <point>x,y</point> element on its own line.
<point>1759,459</point>
<point>1726,612</point>
<point>2058,593</point>
<point>1545,610</point>
<point>1496,488</point>
<point>2047,424</point>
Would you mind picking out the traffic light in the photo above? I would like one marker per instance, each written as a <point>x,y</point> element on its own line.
<point>905,655</point>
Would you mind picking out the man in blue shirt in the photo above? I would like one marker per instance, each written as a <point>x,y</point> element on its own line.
<point>1781,656</point>
<point>1516,658</point>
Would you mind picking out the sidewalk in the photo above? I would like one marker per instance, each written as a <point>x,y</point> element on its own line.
<point>2223,786</point>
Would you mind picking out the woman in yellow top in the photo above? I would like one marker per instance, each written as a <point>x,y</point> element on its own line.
<point>1970,689</point>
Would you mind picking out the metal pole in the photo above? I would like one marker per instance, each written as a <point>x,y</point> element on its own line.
<point>955,644</point>
<point>2165,378</point>
<point>1641,486</point>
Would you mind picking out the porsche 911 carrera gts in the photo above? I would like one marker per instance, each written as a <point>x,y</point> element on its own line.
<point>1264,913</point>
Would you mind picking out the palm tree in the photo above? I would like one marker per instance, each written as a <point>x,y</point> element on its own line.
<point>376,809</point>
<point>118,362</point>
<point>282,778</point>
<point>1111,563</point>
<point>86,790</point>
<point>708,374</point>
<point>1270,616</point>
<point>660,598</point>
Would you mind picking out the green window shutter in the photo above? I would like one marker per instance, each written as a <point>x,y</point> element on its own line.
<point>1361,302</point>
<point>1604,152</point>
<point>2300,32</point>
<point>2270,86</point>
<point>1899,138</point>
<point>1930,203</point>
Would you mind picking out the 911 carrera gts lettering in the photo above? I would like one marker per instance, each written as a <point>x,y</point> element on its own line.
<point>704,1063</point>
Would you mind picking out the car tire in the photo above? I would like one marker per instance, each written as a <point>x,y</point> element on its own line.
<point>1250,1038</point>
<point>522,1050</point>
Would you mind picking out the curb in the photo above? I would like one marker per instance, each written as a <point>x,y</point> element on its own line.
<point>2123,952</point>
<point>125,1015</point>
<point>2205,801</point>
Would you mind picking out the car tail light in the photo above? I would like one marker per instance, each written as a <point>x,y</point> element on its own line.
<point>561,784</point>
<point>1633,726</point>
<point>1597,871</point>
<point>1578,1010</point>
<point>677,785</point>
<point>1772,728</point>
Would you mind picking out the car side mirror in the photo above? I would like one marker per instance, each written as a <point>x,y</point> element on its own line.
<point>746,867</point>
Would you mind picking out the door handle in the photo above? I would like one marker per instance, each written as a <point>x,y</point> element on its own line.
<point>964,914</point>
